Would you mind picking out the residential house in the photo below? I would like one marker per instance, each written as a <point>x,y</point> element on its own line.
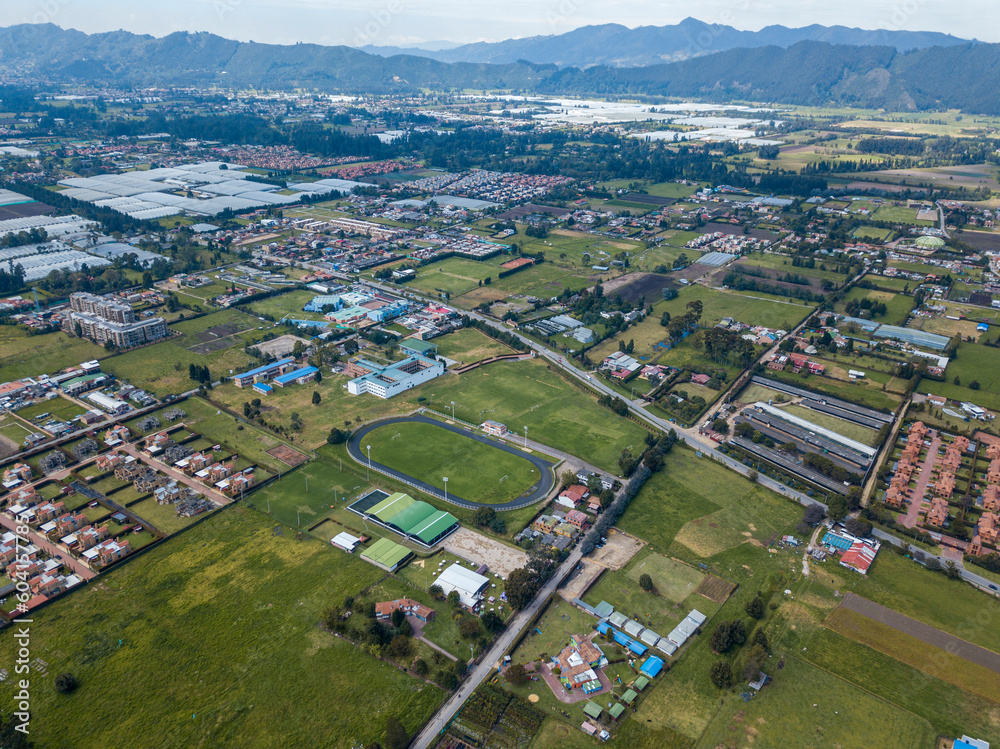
<point>988,528</point>
<point>117,435</point>
<point>578,519</point>
<point>16,474</point>
<point>991,498</point>
<point>572,496</point>
<point>111,551</point>
<point>49,511</point>
<point>111,460</point>
<point>89,537</point>
<point>409,607</point>
<point>71,521</point>
<point>938,513</point>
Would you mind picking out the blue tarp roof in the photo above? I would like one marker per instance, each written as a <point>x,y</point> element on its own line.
<point>652,666</point>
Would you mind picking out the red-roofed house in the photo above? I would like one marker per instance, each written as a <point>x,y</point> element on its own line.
<point>408,606</point>
<point>572,496</point>
<point>859,557</point>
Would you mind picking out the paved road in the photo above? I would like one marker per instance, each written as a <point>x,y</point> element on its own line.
<point>541,490</point>
<point>489,660</point>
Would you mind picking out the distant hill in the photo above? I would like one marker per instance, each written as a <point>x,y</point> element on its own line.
<point>618,46</point>
<point>963,76</point>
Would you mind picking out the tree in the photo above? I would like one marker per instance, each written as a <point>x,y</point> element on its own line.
<point>753,476</point>
<point>400,646</point>
<point>397,618</point>
<point>836,507</point>
<point>755,607</point>
<point>522,585</point>
<point>760,638</point>
<point>436,591</point>
<point>395,734</point>
<point>754,663</point>
<point>721,674</point>
<point>646,582</point>
<point>66,683</point>
<point>860,528</point>
<point>516,674</point>
<point>316,398</point>
<point>493,622</point>
<point>454,599</point>
<point>337,436</point>
<point>484,516</point>
<point>722,637</point>
<point>721,426</point>
<point>469,627</point>
<point>419,667</point>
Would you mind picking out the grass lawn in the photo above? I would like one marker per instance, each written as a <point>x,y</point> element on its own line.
<point>337,407</point>
<point>290,303</point>
<point>560,621</point>
<point>214,637</point>
<point>873,233</point>
<point>860,392</point>
<point>932,598</point>
<point>672,579</point>
<point>476,472</point>
<point>807,707</point>
<point>898,306</point>
<point>470,345</point>
<point>716,304</point>
<point>22,355</point>
<point>62,408</point>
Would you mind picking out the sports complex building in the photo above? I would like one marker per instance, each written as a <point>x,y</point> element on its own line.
<point>418,521</point>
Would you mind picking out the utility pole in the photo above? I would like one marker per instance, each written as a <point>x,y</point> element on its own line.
<point>445,488</point>
<point>526,438</point>
<point>369,463</point>
<point>453,410</point>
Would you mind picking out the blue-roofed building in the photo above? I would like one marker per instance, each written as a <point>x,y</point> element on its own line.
<point>263,388</point>
<point>622,639</point>
<point>297,377</point>
<point>261,374</point>
<point>318,303</point>
<point>637,647</point>
<point>837,541</point>
<point>603,628</point>
<point>389,311</point>
<point>652,666</point>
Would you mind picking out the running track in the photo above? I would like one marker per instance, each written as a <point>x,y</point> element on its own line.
<point>540,490</point>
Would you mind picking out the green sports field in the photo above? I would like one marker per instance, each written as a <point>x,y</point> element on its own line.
<point>475,471</point>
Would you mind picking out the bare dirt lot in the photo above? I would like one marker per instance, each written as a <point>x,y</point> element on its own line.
<point>580,580</point>
<point>281,346</point>
<point>635,286</point>
<point>287,455</point>
<point>475,547</point>
<point>715,589</point>
<point>619,549</point>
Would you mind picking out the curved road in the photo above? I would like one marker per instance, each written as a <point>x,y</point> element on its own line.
<point>540,491</point>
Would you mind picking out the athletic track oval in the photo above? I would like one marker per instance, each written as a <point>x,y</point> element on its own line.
<point>538,492</point>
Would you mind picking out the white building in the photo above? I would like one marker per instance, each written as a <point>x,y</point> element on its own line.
<point>468,584</point>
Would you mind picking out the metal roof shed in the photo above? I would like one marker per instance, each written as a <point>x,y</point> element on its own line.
<point>633,628</point>
<point>592,710</point>
<point>629,697</point>
<point>617,710</point>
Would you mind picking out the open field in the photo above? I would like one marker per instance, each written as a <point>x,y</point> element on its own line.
<point>469,345</point>
<point>898,306</point>
<point>289,304</point>
<point>706,508</point>
<point>940,663</point>
<point>863,392</point>
<point>807,707</point>
<point>949,709</point>
<point>22,355</point>
<point>476,472</point>
<point>170,631</point>
<point>307,493</point>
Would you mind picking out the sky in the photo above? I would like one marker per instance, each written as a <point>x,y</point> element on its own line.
<point>402,22</point>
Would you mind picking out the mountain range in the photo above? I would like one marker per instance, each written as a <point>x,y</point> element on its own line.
<point>619,46</point>
<point>964,76</point>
